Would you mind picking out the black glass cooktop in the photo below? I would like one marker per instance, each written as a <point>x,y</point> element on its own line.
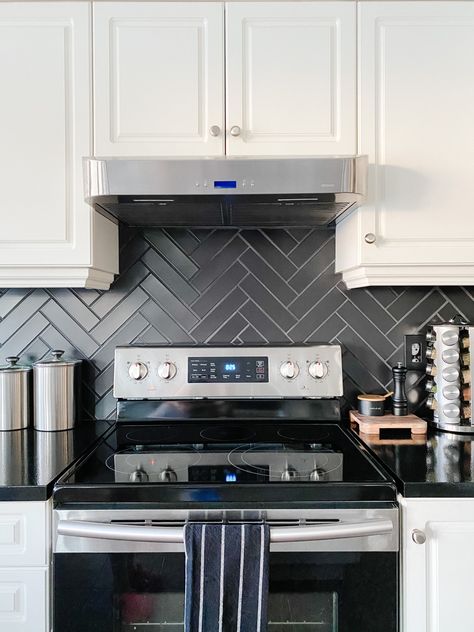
<point>234,461</point>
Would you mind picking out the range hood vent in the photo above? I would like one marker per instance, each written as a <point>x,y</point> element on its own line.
<point>226,192</point>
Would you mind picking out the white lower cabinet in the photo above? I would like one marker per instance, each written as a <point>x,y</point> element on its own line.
<point>24,534</point>
<point>437,574</point>
<point>25,544</point>
<point>49,236</point>
<point>416,84</point>
<point>24,600</point>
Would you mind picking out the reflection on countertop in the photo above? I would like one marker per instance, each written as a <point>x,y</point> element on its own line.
<point>31,461</point>
<point>439,464</point>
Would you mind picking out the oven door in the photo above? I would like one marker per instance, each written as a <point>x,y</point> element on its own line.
<point>123,571</point>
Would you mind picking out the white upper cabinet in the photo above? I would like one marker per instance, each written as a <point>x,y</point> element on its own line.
<point>416,123</point>
<point>287,78</point>
<point>48,235</point>
<point>159,78</point>
<point>291,78</point>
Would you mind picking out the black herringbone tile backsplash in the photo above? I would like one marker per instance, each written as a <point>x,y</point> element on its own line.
<point>224,286</point>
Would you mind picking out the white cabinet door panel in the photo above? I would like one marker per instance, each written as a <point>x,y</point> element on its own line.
<point>291,77</point>
<point>158,78</point>
<point>24,599</point>
<point>437,575</point>
<point>24,533</point>
<point>416,84</point>
<point>45,132</point>
<point>450,557</point>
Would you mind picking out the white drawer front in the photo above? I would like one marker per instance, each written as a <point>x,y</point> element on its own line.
<point>24,534</point>
<point>23,600</point>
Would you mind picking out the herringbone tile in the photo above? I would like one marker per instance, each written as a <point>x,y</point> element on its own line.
<point>282,239</point>
<point>225,286</point>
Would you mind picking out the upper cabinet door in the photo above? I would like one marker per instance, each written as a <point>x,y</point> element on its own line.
<point>159,78</point>
<point>291,78</point>
<point>417,126</point>
<point>47,230</point>
<point>44,132</point>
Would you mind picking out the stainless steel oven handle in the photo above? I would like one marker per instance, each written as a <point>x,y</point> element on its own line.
<point>111,531</point>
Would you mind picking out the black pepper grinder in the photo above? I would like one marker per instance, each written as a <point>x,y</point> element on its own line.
<point>399,398</point>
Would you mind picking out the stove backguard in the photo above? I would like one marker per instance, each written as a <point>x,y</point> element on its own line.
<point>238,372</point>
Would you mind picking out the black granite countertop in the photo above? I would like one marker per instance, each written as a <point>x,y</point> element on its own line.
<point>438,465</point>
<point>32,461</point>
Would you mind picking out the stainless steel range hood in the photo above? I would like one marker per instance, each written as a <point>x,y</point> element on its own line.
<point>226,191</point>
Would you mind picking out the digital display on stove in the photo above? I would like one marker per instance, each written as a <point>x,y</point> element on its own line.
<point>226,474</point>
<point>222,370</point>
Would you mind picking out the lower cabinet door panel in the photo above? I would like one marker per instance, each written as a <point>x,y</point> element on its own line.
<point>437,570</point>
<point>24,534</point>
<point>24,600</point>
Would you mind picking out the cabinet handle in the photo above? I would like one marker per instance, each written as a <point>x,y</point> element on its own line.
<point>370,238</point>
<point>418,536</point>
<point>235,130</point>
<point>215,130</point>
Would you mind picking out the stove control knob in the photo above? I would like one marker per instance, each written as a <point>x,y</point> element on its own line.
<point>168,476</point>
<point>289,370</point>
<point>139,476</point>
<point>318,370</point>
<point>167,370</point>
<point>138,371</point>
<point>289,474</point>
<point>317,474</point>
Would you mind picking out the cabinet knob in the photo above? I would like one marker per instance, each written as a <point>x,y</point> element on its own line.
<point>215,130</point>
<point>418,536</point>
<point>235,130</point>
<point>370,238</point>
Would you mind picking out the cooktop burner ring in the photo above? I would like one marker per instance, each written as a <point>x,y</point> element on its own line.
<point>301,433</point>
<point>319,463</point>
<point>229,434</point>
<point>140,465</point>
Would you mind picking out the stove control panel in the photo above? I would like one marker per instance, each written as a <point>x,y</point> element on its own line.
<point>167,372</point>
<point>228,369</point>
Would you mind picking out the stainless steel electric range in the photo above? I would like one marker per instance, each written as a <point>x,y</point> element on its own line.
<point>227,434</point>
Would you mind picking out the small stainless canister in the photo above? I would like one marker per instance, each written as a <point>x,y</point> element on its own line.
<point>15,395</point>
<point>57,393</point>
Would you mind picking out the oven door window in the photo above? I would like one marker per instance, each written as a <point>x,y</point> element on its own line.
<point>309,592</point>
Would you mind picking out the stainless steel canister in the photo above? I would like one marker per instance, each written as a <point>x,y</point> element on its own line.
<point>15,395</point>
<point>53,453</point>
<point>57,392</point>
<point>13,458</point>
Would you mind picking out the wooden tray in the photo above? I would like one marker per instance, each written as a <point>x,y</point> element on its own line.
<point>373,425</point>
<point>373,439</point>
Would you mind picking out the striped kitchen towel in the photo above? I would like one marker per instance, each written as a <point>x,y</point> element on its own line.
<point>226,577</point>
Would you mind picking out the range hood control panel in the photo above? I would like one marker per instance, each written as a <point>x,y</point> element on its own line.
<point>225,186</point>
<point>146,372</point>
